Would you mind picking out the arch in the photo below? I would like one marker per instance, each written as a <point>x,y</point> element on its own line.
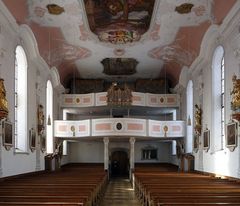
<point>183,78</point>
<point>218,98</point>
<point>21,67</point>
<point>56,81</point>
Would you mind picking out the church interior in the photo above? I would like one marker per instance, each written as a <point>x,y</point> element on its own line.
<point>119,102</point>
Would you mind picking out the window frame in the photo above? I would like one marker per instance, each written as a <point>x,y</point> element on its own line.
<point>218,100</point>
<point>21,95</point>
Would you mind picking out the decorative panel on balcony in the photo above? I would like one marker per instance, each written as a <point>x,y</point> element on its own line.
<point>166,128</point>
<point>72,128</point>
<point>119,126</point>
<point>101,99</point>
<point>78,100</point>
<point>138,99</point>
<point>162,100</point>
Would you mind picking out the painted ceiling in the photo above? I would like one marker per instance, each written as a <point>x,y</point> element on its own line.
<point>162,36</point>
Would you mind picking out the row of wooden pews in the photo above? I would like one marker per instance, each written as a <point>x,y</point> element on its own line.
<point>156,186</point>
<point>79,184</point>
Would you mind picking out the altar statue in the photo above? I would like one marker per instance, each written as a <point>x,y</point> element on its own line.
<point>198,119</point>
<point>235,104</point>
<point>3,101</point>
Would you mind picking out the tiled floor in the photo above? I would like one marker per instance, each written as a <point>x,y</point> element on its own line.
<point>119,193</point>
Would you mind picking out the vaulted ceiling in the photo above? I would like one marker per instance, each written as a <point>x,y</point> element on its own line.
<point>161,36</point>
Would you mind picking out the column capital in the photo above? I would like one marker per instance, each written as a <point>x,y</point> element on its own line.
<point>106,140</point>
<point>132,140</point>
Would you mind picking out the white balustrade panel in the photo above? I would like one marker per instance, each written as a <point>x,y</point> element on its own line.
<point>162,100</point>
<point>101,99</point>
<point>78,100</point>
<point>119,127</point>
<point>71,128</point>
<point>138,99</point>
<point>166,128</point>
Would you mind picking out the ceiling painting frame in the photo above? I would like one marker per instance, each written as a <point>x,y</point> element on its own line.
<point>143,37</point>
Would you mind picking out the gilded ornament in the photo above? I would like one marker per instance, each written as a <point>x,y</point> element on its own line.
<point>198,119</point>
<point>73,129</point>
<point>55,9</point>
<point>235,104</point>
<point>3,101</point>
<point>235,93</point>
<point>184,8</point>
<point>165,129</point>
<point>119,96</point>
<point>40,114</point>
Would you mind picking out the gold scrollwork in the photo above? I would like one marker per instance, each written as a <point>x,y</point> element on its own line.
<point>3,101</point>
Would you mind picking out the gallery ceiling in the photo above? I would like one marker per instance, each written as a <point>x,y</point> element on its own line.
<point>156,37</point>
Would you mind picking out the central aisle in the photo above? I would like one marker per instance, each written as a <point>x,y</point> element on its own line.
<point>119,193</point>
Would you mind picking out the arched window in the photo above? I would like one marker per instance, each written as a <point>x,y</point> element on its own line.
<point>21,134</point>
<point>218,100</point>
<point>49,116</point>
<point>189,139</point>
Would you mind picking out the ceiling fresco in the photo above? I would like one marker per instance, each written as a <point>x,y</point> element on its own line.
<point>77,35</point>
<point>119,21</point>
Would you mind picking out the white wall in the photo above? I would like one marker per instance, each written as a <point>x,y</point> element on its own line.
<point>164,151</point>
<point>11,35</point>
<point>93,151</point>
<point>218,161</point>
<point>89,152</point>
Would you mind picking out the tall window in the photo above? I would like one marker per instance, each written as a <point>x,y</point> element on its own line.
<point>189,140</point>
<point>49,116</point>
<point>222,102</point>
<point>218,99</point>
<point>20,100</point>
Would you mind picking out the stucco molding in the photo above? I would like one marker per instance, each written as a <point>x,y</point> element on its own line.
<point>184,76</point>
<point>56,81</point>
<point>25,38</point>
<point>215,36</point>
<point>29,42</point>
<point>12,24</point>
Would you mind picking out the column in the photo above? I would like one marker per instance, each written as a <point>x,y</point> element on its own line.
<point>65,143</point>
<point>132,142</point>
<point>106,156</point>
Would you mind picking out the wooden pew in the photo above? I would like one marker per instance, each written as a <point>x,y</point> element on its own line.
<point>156,187</point>
<point>73,185</point>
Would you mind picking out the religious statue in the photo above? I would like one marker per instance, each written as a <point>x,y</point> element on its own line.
<point>198,119</point>
<point>3,101</point>
<point>235,93</point>
<point>235,104</point>
<point>40,115</point>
